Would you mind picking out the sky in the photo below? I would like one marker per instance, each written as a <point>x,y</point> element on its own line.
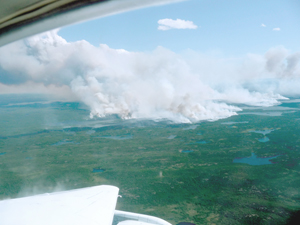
<point>232,27</point>
<point>185,62</point>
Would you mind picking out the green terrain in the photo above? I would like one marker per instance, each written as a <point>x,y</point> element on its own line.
<point>178,172</point>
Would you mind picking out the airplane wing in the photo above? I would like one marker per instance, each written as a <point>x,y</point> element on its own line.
<point>86,206</point>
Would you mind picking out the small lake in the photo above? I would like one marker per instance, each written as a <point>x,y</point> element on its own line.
<point>121,137</point>
<point>265,139</point>
<point>2,153</point>
<point>98,170</point>
<point>269,113</point>
<point>254,160</point>
<point>193,127</point>
<point>64,142</point>
<point>274,113</point>
<point>171,137</point>
<point>198,142</point>
<point>264,132</point>
<point>230,123</point>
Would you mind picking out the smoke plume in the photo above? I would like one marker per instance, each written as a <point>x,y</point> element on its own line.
<point>162,84</point>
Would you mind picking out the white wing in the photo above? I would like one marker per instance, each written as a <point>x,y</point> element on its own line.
<point>86,206</point>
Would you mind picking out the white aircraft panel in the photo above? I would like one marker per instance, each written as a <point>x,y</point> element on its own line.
<point>93,205</point>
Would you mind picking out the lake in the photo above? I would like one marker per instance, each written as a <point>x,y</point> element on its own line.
<point>264,132</point>
<point>171,137</point>
<point>121,137</point>
<point>254,160</point>
<point>198,142</point>
<point>193,127</point>
<point>98,170</point>
<point>230,123</point>
<point>265,139</point>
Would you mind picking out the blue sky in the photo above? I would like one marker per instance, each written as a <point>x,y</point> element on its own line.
<point>231,27</point>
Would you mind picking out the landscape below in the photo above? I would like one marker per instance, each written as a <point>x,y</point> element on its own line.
<point>196,173</point>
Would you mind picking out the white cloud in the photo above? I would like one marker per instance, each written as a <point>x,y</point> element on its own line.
<point>263,25</point>
<point>276,29</point>
<point>167,24</point>
<point>161,84</point>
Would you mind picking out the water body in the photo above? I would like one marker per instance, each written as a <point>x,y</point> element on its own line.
<point>272,113</point>
<point>2,153</point>
<point>230,123</point>
<point>198,142</point>
<point>123,137</point>
<point>97,170</point>
<point>26,135</point>
<point>63,142</point>
<point>193,127</point>
<point>186,151</point>
<point>264,132</point>
<point>254,160</point>
<point>171,137</point>
<point>265,139</point>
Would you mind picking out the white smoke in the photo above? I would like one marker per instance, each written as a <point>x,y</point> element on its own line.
<point>158,85</point>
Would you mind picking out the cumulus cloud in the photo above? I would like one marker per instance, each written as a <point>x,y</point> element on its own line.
<point>157,85</point>
<point>263,25</point>
<point>167,24</point>
<point>276,29</point>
